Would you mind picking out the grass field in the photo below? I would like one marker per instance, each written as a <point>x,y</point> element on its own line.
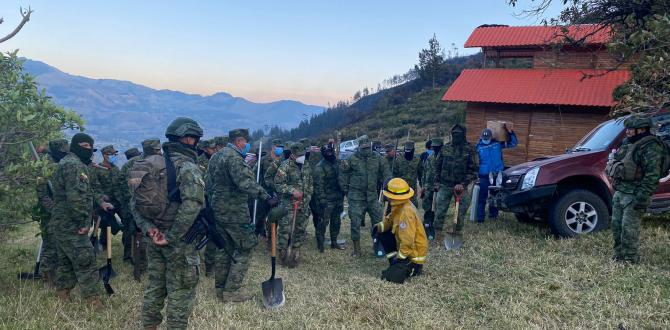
<point>509,276</point>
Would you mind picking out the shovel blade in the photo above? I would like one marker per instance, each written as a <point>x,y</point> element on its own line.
<point>273,293</point>
<point>453,241</point>
<point>29,276</point>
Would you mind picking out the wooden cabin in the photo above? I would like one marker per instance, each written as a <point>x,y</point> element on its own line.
<point>553,95</point>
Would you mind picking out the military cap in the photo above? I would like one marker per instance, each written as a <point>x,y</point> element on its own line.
<point>389,147</point>
<point>132,152</point>
<point>108,150</point>
<point>363,140</point>
<point>297,149</point>
<point>276,142</point>
<point>59,145</point>
<point>637,121</point>
<point>305,142</point>
<point>409,145</point>
<point>201,144</point>
<point>437,142</point>
<point>220,141</point>
<point>238,132</point>
<point>154,144</point>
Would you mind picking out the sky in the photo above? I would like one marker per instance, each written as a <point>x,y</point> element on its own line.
<point>316,52</point>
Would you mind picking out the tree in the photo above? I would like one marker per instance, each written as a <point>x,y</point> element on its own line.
<point>26,114</point>
<point>430,60</point>
<point>640,36</point>
<point>25,17</point>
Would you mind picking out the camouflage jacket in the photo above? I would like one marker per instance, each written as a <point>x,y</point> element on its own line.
<point>232,183</point>
<point>290,178</point>
<point>428,170</point>
<point>191,191</point>
<point>363,174</point>
<point>456,165</point>
<point>265,163</point>
<point>73,195</point>
<point>122,190</point>
<point>408,170</point>
<point>203,162</point>
<point>647,156</point>
<point>44,194</point>
<point>105,181</point>
<point>326,182</point>
<point>269,176</point>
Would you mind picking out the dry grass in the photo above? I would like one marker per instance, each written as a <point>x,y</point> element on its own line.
<point>510,276</point>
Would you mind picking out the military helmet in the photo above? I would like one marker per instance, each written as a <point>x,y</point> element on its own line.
<point>59,145</point>
<point>637,121</point>
<point>182,126</point>
<point>398,189</point>
<point>297,149</point>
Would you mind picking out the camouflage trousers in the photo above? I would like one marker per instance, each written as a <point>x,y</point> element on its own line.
<point>210,258</point>
<point>173,274</point>
<point>284,225</point>
<point>240,242</point>
<point>49,261</point>
<point>427,201</point>
<point>127,235</point>
<point>357,211</point>
<point>330,219</point>
<point>443,201</point>
<point>625,227</point>
<point>76,264</point>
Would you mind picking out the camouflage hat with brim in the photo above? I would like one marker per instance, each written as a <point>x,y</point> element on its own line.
<point>59,145</point>
<point>363,140</point>
<point>637,121</point>
<point>437,142</point>
<point>154,144</point>
<point>132,152</point>
<point>297,149</point>
<point>108,150</point>
<point>277,142</point>
<point>389,147</point>
<point>220,141</point>
<point>409,145</point>
<point>237,133</point>
<point>305,142</point>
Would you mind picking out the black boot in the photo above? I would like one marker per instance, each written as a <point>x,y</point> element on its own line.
<point>334,245</point>
<point>319,243</point>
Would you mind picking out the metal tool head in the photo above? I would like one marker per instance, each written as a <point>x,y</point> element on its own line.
<point>273,293</point>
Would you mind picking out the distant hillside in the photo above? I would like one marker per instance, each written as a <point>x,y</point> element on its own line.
<point>413,107</point>
<point>124,113</point>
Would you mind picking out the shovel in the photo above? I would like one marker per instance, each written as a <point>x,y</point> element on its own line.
<point>107,272</point>
<point>290,236</point>
<point>36,273</point>
<point>273,289</point>
<point>451,240</point>
<point>428,220</point>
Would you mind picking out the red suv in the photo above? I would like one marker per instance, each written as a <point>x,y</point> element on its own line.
<point>571,191</point>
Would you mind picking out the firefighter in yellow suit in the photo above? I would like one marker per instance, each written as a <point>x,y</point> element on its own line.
<point>402,234</point>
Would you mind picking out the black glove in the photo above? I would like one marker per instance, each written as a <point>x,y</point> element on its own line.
<point>273,201</point>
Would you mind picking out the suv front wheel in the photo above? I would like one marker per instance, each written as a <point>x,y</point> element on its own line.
<point>577,212</point>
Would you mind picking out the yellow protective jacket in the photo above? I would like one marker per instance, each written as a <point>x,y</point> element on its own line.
<point>410,236</point>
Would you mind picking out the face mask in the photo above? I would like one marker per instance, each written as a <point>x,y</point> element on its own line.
<point>113,159</point>
<point>430,152</point>
<point>486,141</point>
<point>457,138</point>
<point>84,154</point>
<point>279,151</point>
<point>57,155</point>
<point>409,154</point>
<point>246,149</point>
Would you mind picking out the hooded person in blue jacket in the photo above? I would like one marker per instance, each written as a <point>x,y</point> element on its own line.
<point>490,164</point>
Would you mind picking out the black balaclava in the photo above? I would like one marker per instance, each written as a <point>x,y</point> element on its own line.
<point>56,154</point>
<point>328,153</point>
<point>409,154</point>
<point>287,153</point>
<point>436,149</point>
<point>458,135</point>
<point>84,154</point>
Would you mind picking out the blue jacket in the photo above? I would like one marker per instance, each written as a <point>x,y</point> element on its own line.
<point>490,155</point>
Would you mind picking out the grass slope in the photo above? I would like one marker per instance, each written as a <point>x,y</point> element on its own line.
<point>510,276</point>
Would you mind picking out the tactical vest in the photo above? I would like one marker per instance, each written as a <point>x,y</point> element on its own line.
<point>625,169</point>
<point>454,163</point>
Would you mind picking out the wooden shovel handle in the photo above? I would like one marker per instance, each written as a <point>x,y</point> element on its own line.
<point>109,242</point>
<point>273,240</point>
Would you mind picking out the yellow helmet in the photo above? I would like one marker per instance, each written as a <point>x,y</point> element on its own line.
<point>398,189</point>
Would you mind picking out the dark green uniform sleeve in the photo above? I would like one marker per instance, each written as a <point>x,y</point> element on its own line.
<point>307,179</point>
<point>192,191</point>
<point>649,160</point>
<point>319,184</point>
<point>345,174</point>
<point>78,194</point>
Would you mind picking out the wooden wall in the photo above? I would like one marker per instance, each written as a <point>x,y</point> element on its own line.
<point>541,129</point>
<point>575,59</point>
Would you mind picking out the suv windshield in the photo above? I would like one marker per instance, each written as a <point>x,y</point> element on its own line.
<point>601,137</point>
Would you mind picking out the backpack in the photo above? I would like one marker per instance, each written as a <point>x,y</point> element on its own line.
<point>148,181</point>
<point>627,170</point>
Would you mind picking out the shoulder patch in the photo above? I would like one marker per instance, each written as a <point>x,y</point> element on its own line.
<point>83,177</point>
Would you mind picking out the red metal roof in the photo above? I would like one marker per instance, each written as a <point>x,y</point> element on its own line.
<point>534,86</point>
<point>515,36</point>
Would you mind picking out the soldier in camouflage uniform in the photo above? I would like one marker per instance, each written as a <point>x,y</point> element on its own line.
<point>360,178</point>
<point>455,168</point>
<point>270,160</point>
<point>123,194</point>
<point>209,149</point>
<point>293,182</point>
<point>174,265</point>
<point>105,181</point>
<point>330,197</point>
<point>220,142</point>
<point>57,150</point>
<point>633,192</point>
<point>407,168</point>
<point>313,156</point>
<point>231,185</point>
<point>73,198</point>
<point>428,174</point>
<point>281,152</point>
